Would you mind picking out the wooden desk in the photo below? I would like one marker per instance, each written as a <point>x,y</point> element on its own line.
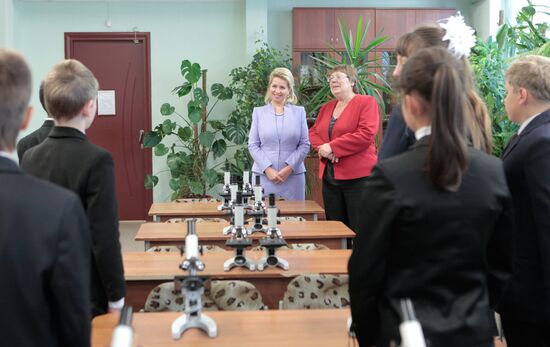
<point>333,234</point>
<point>274,328</point>
<point>143,271</point>
<point>162,211</point>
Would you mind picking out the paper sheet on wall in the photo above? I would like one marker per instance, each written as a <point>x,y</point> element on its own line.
<point>106,102</point>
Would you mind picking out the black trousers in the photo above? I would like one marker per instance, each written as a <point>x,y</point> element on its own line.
<point>524,334</point>
<point>343,201</point>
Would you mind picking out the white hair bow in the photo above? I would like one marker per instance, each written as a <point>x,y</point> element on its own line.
<point>460,36</point>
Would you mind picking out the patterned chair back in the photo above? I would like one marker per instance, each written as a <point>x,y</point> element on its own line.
<point>199,220</point>
<point>175,248</point>
<point>220,296</point>
<point>297,246</point>
<point>315,291</point>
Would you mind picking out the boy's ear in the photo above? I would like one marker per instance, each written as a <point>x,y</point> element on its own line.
<point>524,95</point>
<point>27,116</point>
<point>89,108</point>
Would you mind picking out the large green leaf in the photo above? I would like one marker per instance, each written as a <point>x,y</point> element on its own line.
<point>175,184</point>
<point>166,109</point>
<point>150,181</point>
<point>200,96</point>
<point>151,139</point>
<point>236,130</point>
<point>221,92</point>
<point>206,138</point>
<point>190,71</point>
<point>196,187</point>
<point>194,111</point>
<point>185,133</point>
<point>183,90</point>
<point>216,125</point>
<point>161,150</point>
<point>210,176</point>
<point>173,161</point>
<point>168,126</point>
<point>218,148</point>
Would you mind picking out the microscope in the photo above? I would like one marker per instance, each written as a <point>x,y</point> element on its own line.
<point>239,239</point>
<point>234,209</point>
<point>248,191</point>
<point>410,329</point>
<point>123,334</point>
<point>257,210</point>
<point>226,189</point>
<point>273,240</point>
<point>192,288</point>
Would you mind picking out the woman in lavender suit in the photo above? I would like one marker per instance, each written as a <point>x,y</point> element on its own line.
<point>278,139</point>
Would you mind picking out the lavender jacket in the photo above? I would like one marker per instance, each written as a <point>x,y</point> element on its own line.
<point>268,148</point>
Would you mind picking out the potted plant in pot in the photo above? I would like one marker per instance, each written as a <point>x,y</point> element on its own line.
<point>191,139</point>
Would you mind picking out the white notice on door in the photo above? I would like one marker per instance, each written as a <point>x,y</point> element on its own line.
<point>106,102</point>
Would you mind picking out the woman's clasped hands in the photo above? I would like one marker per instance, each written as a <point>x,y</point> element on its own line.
<point>325,151</point>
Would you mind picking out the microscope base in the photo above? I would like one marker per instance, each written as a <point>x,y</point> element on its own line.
<point>263,263</point>
<point>237,261</point>
<point>185,322</point>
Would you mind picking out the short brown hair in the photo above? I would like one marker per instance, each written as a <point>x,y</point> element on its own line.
<point>349,71</point>
<point>67,88</point>
<point>15,93</point>
<point>531,72</point>
<point>423,36</point>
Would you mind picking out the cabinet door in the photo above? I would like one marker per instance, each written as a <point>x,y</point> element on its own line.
<point>351,18</point>
<point>393,23</point>
<point>313,28</point>
<point>432,16</point>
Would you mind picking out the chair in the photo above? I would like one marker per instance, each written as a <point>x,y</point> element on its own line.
<point>298,246</point>
<point>175,248</point>
<point>219,296</point>
<point>198,200</point>
<point>199,220</point>
<point>316,291</point>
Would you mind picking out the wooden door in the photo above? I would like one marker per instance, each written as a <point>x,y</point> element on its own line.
<point>312,28</point>
<point>432,16</point>
<point>351,18</point>
<point>393,23</point>
<point>121,63</point>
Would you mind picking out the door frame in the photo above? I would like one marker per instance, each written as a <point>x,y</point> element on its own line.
<point>145,39</point>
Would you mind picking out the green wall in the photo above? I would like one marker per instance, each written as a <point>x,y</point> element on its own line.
<point>210,33</point>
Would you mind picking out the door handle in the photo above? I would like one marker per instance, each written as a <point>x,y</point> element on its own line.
<point>140,138</point>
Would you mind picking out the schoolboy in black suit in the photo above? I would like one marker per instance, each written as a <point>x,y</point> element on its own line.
<point>44,238</point>
<point>525,310</point>
<point>67,158</point>
<point>40,134</point>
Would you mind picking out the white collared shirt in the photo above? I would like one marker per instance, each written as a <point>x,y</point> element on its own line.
<point>526,123</point>
<point>423,131</point>
<point>9,156</point>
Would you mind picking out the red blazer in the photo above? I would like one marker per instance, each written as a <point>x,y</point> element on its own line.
<point>352,137</point>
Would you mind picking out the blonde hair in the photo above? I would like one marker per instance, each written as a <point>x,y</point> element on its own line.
<point>15,93</point>
<point>67,88</point>
<point>349,71</point>
<point>531,72</point>
<point>284,74</point>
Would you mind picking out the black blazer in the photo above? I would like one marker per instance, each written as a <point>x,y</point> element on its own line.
<point>44,262</point>
<point>67,158</point>
<point>448,252</point>
<point>527,166</point>
<point>397,137</point>
<point>34,138</point>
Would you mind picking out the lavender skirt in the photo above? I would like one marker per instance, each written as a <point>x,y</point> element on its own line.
<point>294,188</point>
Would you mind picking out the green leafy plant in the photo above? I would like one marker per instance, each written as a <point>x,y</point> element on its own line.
<point>489,64</point>
<point>315,91</point>
<point>189,141</point>
<point>249,84</point>
<point>525,36</point>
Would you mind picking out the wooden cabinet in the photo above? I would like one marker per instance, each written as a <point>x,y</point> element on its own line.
<point>315,29</point>
<point>431,16</point>
<point>394,23</point>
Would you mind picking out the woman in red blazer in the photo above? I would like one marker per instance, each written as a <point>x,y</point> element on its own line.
<point>343,135</point>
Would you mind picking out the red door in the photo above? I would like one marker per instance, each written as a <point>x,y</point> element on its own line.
<point>121,62</point>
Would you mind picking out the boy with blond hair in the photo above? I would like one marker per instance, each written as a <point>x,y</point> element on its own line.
<point>44,237</point>
<point>525,308</point>
<point>67,158</point>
